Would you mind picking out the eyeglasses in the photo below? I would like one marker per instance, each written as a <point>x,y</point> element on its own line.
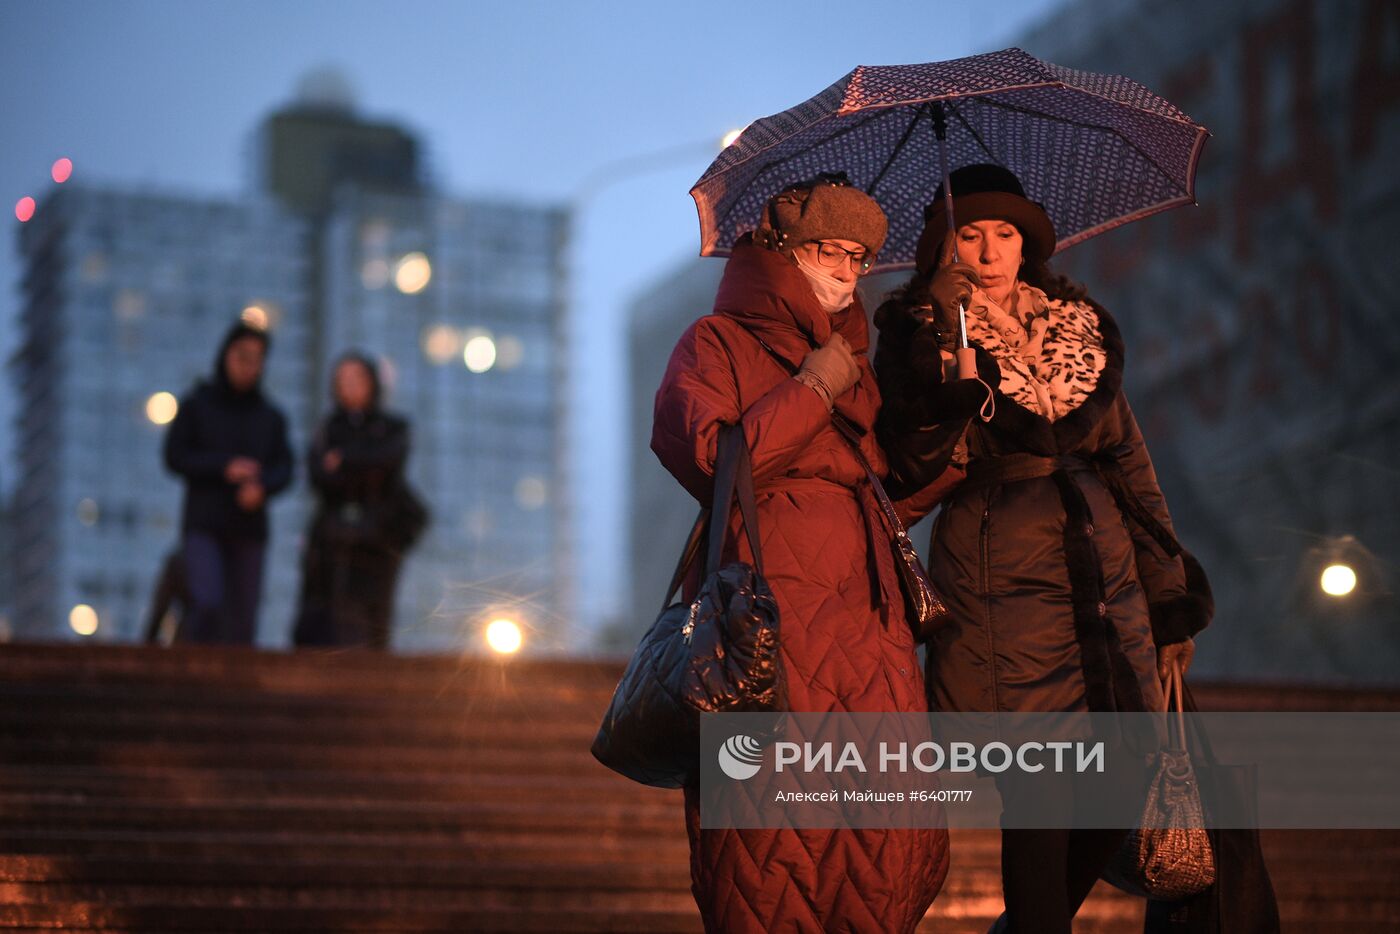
<point>832,256</point>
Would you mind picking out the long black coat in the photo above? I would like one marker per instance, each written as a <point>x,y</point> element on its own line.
<point>1058,593</point>
<point>213,426</point>
<point>354,549</point>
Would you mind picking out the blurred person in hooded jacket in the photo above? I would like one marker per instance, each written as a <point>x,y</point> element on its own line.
<point>366,515</point>
<point>229,443</point>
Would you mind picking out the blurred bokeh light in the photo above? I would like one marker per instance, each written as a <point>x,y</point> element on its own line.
<point>479,354</point>
<point>82,619</point>
<point>441,343</point>
<point>88,512</point>
<point>256,316</point>
<point>412,274</point>
<point>161,408</point>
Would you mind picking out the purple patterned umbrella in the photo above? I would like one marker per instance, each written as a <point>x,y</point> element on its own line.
<point>1096,150</point>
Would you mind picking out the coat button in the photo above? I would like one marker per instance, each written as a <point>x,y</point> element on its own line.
<point>1103,608</point>
<point>1089,529</point>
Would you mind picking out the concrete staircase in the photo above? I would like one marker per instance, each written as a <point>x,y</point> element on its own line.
<point>229,790</point>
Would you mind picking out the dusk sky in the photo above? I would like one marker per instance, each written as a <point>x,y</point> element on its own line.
<point>547,102</point>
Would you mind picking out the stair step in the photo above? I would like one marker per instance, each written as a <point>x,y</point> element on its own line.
<point>235,785</point>
<point>615,845</point>
<point>237,790</point>
<point>99,916</point>
<point>564,760</point>
<point>317,815</point>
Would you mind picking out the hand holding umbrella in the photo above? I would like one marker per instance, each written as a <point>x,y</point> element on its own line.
<point>950,292</point>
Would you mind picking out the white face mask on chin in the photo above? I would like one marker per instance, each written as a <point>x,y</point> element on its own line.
<point>832,294</point>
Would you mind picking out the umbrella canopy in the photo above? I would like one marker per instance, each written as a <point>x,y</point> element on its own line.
<point>1096,151</point>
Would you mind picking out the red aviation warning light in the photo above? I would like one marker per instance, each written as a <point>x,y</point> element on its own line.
<point>24,209</point>
<point>62,170</point>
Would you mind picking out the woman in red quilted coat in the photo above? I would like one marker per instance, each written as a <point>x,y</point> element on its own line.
<point>845,642</point>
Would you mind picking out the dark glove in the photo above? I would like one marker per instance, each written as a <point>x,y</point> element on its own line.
<point>908,347</point>
<point>951,286</point>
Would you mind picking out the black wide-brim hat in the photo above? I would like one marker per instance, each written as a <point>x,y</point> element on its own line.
<point>985,192</point>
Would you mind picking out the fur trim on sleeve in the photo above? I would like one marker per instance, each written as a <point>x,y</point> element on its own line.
<point>1182,617</point>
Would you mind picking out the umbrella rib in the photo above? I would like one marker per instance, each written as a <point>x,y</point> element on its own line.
<point>975,135</point>
<point>898,148</point>
<point>776,163</point>
<point>1089,126</point>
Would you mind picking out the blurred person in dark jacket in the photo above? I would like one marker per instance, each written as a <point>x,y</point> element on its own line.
<point>366,515</point>
<point>230,445</point>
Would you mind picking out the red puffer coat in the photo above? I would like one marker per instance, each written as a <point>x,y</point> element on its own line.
<point>845,643</point>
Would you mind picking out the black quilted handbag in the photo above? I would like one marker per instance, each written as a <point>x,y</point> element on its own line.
<point>717,654</point>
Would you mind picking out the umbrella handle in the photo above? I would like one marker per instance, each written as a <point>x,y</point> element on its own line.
<point>967,363</point>
<point>966,356</point>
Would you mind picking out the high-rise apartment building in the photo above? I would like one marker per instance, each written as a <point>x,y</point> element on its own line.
<point>126,296</point>
<point>128,293</point>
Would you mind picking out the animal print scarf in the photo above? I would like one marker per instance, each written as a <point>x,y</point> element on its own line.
<point>1050,352</point>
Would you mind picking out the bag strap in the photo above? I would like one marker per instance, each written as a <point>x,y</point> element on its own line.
<point>1207,752</point>
<point>688,555</point>
<point>852,433</point>
<point>1173,688</point>
<point>733,473</point>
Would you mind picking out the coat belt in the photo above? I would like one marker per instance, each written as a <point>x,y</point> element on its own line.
<point>1012,468</point>
<point>1110,683</point>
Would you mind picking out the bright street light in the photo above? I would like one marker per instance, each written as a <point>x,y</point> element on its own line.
<point>503,636</point>
<point>1338,580</point>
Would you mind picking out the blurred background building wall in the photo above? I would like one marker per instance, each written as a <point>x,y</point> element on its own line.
<point>127,294</point>
<point>660,513</point>
<point>1262,347</point>
<point>1263,358</point>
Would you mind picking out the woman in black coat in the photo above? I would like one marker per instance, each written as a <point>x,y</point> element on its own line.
<point>365,516</point>
<point>1056,556</point>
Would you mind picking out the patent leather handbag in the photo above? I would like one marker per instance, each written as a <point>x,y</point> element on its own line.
<point>716,654</point>
<point>927,611</point>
